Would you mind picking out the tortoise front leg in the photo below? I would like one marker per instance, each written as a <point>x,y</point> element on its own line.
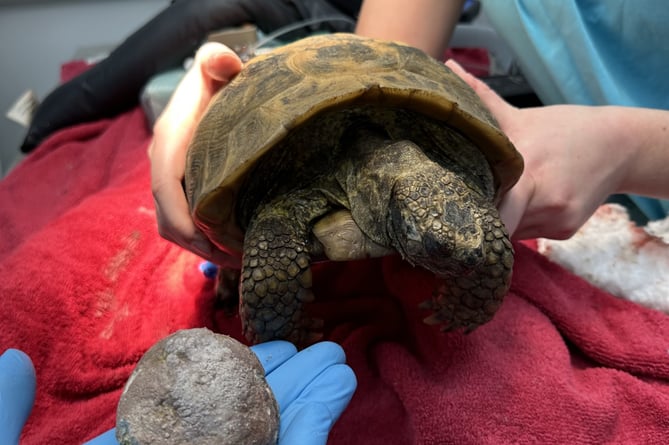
<point>470,300</point>
<point>443,226</point>
<point>276,270</point>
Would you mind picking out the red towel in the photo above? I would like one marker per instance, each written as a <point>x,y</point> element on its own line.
<point>87,286</point>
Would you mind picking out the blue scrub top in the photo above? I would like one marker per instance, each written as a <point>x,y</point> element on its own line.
<point>591,52</point>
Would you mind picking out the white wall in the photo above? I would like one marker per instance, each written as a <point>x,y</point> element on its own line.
<point>37,37</point>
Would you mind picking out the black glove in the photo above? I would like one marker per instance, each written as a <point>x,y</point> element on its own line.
<point>114,85</point>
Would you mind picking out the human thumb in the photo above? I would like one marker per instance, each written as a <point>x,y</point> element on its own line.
<point>17,394</point>
<point>218,62</point>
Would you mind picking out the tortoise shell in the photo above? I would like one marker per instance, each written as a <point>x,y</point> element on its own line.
<point>279,92</point>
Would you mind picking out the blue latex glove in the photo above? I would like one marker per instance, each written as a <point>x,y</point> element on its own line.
<point>17,394</point>
<point>312,387</point>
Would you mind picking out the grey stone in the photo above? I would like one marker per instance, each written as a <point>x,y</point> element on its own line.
<point>196,387</point>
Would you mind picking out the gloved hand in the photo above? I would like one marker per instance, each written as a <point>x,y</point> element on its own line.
<point>312,387</point>
<point>17,394</point>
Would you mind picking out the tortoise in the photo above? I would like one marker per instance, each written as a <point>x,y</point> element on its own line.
<point>345,147</point>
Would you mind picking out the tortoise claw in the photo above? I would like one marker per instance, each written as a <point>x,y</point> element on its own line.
<point>427,305</point>
<point>432,320</point>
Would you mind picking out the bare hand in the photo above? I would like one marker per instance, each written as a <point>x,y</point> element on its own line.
<point>214,66</point>
<point>571,163</point>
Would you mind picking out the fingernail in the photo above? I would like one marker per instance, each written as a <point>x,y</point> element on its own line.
<point>456,67</point>
<point>453,62</point>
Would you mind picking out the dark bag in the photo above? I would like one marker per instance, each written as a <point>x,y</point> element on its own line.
<point>113,85</point>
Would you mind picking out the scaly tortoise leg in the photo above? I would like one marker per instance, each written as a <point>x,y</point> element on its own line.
<point>276,270</point>
<point>441,226</point>
<point>468,301</point>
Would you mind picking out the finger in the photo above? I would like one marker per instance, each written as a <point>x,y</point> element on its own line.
<point>17,394</point>
<point>290,379</point>
<point>311,417</point>
<point>273,354</point>
<point>219,63</point>
<point>514,204</point>
<point>497,106</point>
<point>471,80</point>
<point>107,438</point>
<point>215,65</point>
<point>305,426</point>
<point>175,224</point>
<point>333,388</point>
<point>174,220</point>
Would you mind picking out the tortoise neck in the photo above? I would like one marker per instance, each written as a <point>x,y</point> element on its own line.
<point>364,133</point>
